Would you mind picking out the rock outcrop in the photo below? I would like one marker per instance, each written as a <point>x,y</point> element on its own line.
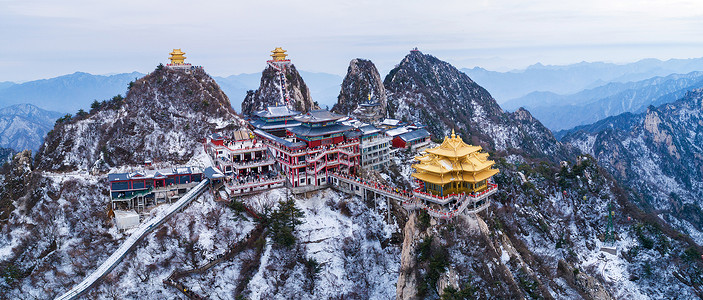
<point>658,154</point>
<point>362,81</point>
<point>163,118</point>
<point>269,92</point>
<point>423,89</point>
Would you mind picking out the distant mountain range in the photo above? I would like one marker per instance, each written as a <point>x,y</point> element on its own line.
<point>560,112</point>
<point>657,154</point>
<point>573,78</point>
<point>69,93</point>
<point>23,126</point>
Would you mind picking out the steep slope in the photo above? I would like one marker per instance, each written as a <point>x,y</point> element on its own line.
<point>56,227</point>
<point>559,112</point>
<point>542,237</point>
<point>658,154</point>
<point>6,155</point>
<point>23,126</point>
<point>269,92</point>
<point>572,78</point>
<point>323,86</point>
<point>67,93</point>
<point>362,80</point>
<point>426,90</point>
<point>163,118</point>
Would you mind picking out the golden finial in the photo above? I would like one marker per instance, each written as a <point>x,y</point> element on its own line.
<point>453,134</point>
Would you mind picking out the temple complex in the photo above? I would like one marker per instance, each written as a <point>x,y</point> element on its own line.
<point>454,176</point>
<point>315,148</point>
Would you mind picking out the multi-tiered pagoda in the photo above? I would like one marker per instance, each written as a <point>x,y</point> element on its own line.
<point>454,177</point>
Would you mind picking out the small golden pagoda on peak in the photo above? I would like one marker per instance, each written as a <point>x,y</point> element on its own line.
<point>177,57</point>
<point>279,54</point>
<point>454,168</point>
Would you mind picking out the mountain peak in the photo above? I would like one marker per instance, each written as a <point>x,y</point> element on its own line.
<point>162,118</point>
<point>270,91</point>
<point>362,84</point>
<point>423,89</point>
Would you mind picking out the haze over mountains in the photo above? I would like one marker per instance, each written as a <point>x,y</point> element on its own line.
<point>573,78</point>
<point>561,97</point>
<point>560,112</point>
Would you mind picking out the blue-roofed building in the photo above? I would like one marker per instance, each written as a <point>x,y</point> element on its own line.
<point>141,189</point>
<point>417,139</point>
<point>275,120</point>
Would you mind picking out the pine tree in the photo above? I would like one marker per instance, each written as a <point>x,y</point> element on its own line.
<point>282,222</point>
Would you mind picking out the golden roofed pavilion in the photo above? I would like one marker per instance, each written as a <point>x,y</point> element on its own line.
<point>279,54</point>
<point>454,167</point>
<point>177,57</point>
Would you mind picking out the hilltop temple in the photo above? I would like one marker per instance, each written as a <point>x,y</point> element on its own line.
<point>177,59</point>
<point>454,176</point>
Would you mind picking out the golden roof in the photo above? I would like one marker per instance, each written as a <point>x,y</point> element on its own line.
<point>278,54</point>
<point>453,160</point>
<point>453,146</point>
<point>463,176</point>
<point>177,57</point>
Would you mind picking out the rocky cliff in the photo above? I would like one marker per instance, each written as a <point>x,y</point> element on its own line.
<point>163,118</point>
<point>362,80</point>
<point>269,92</point>
<point>423,89</point>
<point>658,154</point>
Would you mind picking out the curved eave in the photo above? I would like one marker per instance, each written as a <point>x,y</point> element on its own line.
<point>472,177</point>
<point>461,152</point>
<point>464,167</point>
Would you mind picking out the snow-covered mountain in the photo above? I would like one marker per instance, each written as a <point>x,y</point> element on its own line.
<point>163,118</point>
<point>573,78</point>
<point>543,236</point>
<point>560,112</point>
<point>658,154</point>
<point>362,80</point>
<point>67,93</point>
<point>540,238</point>
<point>269,91</point>
<point>23,126</point>
<point>423,89</point>
<point>324,87</point>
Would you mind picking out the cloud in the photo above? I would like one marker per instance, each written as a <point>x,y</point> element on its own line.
<point>42,38</point>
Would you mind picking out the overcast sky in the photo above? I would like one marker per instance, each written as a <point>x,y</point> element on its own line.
<point>42,39</point>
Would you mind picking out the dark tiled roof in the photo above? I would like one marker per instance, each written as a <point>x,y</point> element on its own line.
<point>352,134</point>
<point>369,129</point>
<point>212,173</point>
<point>276,111</point>
<point>260,124</point>
<point>414,135</point>
<point>117,176</point>
<point>317,116</point>
<point>279,140</point>
<point>319,131</point>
